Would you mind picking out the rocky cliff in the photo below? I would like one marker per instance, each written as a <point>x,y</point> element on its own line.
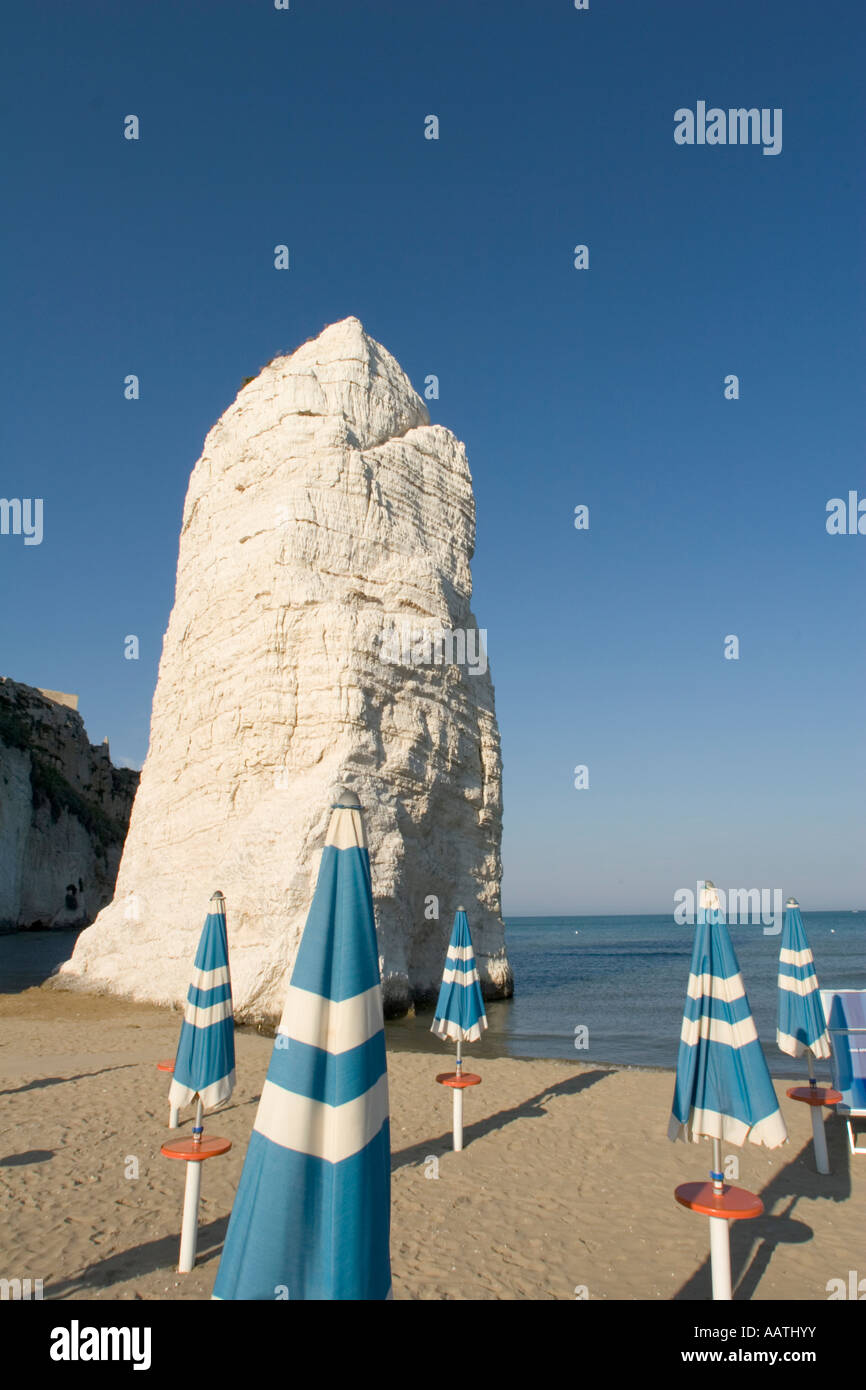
<point>64,812</point>
<point>321,636</point>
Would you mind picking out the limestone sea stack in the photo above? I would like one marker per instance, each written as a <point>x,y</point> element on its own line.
<point>321,637</point>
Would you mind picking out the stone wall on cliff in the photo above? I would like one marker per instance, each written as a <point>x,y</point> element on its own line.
<point>64,812</point>
<point>325,515</point>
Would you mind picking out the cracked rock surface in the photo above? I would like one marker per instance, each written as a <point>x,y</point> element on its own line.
<point>325,511</point>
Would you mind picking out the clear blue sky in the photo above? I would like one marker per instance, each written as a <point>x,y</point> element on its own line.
<point>602,387</point>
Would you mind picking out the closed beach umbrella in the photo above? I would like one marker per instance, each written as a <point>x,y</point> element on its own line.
<point>460,1013</point>
<point>802,1027</point>
<point>311,1219</point>
<point>205,1062</point>
<point>204,1068</point>
<point>723,1089</point>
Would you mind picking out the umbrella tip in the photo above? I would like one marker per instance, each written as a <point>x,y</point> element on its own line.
<point>348,799</point>
<point>792,902</point>
<point>461,909</point>
<point>218,896</point>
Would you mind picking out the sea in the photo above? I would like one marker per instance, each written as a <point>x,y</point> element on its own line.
<point>623,980</point>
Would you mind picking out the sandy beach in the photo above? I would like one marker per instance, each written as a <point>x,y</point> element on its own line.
<point>565,1184</point>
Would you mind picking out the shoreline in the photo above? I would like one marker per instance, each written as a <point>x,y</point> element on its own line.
<point>435,1048</point>
<point>416,1040</point>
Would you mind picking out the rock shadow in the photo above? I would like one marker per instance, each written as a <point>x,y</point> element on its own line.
<point>30,957</point>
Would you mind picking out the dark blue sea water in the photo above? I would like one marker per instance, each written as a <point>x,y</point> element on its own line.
<point>625,979</point>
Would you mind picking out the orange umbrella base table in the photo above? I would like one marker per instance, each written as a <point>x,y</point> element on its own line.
<point>814,1095</point>
<point>732,1203</point>
<point>458,1082</point>
<point>191,1152</point>
<point>167,1065</point>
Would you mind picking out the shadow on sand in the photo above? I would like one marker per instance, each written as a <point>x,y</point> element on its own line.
<point>533,1108</point>
<point>155,1255</point>
<point>38,1084</point>
<point>753,1242</point>
<point>29,1156</point>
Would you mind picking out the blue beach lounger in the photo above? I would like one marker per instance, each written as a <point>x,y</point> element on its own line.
<point>845,1011</point>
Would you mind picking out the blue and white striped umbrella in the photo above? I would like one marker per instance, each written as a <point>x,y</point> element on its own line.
<point>205,1060</point>
<point>460,1012</point>
<point>802,1026</point>
<point>723,1088</point>
<point>311,1219</point>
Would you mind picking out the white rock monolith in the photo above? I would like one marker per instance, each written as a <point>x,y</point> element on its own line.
<point>321,637</point>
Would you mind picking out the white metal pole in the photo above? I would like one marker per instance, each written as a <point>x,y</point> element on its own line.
<point>720,1258</point>
<point>458,1103</point>
<point>819,1140</point>
<point>720,1237</point>
<point>189,1229</point>
<point>191,1194</point>
<point>819,1137</point>
<point>458,1118</point>
<point>172,1117</point>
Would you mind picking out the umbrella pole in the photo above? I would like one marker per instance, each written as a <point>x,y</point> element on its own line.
<point>191,1194</point>
<point>458,1103</point>
<point>720,1242</point>
<point>819,1138</point>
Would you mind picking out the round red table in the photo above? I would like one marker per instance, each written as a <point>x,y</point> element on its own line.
<point>167,1065</point>
<point>733,1203</point>
<point>459,1081</point>
<point>192,1152</point>
<point>814,1095</point>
